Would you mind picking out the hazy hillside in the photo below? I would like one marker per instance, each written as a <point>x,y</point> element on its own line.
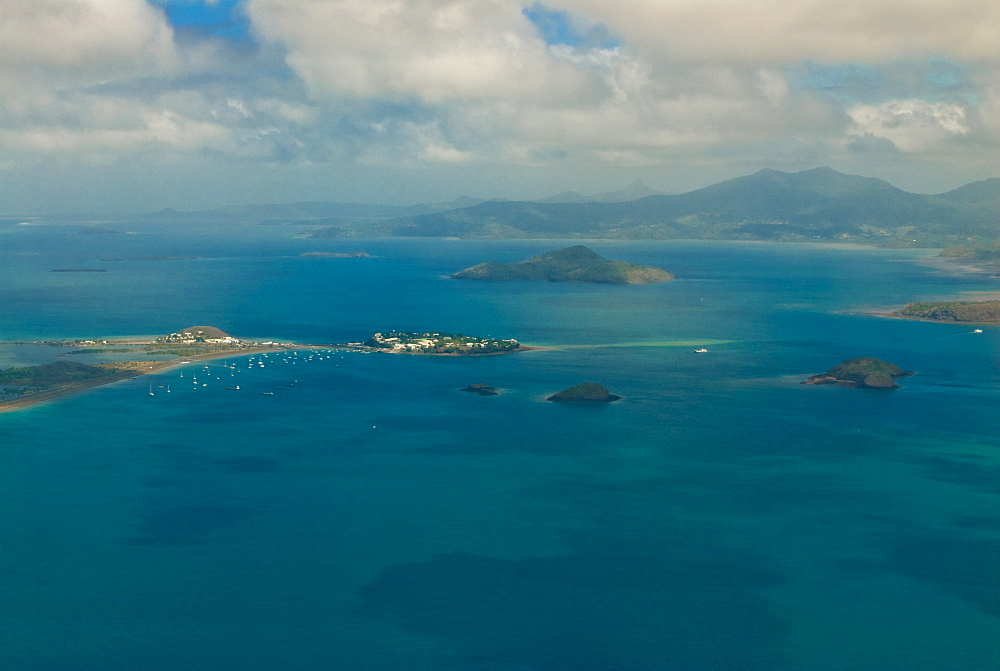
<point>317,213</point>
<point>820,205</point>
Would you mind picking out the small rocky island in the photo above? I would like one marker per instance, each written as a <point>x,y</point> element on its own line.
<point>972,312</point>
<point>587,392</point>
<point>440,343</point>
<point>482,389</point>
<point>863,373</point>
<point>572,264</point>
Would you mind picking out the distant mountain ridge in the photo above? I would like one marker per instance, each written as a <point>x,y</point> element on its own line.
<point>636,190</point>
<point>813,205</point>
<point>318,212</point>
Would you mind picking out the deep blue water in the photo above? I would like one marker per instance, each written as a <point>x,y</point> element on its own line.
<point>720,516</point>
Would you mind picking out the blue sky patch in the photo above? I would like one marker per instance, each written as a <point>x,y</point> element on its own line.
<point>223,18</point>
<point>559,28</point>
<point>935,79</point>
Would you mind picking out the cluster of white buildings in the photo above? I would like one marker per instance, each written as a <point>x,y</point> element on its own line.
<point>190,338</point>
<point>427,342</point>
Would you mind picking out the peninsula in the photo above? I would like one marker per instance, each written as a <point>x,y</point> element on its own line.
<point>972,312</point>
<point>862,373</point>
<point>572,264</point>
<point>28,385</point>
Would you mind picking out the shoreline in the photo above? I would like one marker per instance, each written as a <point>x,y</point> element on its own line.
<point>522,348</point>
<point>890,315</point>
<point>48,395</point>
<point>894,314</point>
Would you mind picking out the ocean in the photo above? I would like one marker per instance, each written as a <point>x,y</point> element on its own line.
<point>370,515</point>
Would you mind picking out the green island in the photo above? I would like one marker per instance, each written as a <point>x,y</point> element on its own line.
<point>440,343</point>
<point>973,312</point>
<point>862,373</point>
<point>585,392</point>
<point>572,264</point>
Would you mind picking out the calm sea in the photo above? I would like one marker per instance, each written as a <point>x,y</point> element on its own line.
<point>369,515</point>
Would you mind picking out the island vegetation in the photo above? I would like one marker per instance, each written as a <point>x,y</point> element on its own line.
<point>32,383</point>
<point>440,343</point>
<point>973,312</point>
<point>572,264</point>
<point>586,392</point>
<point>57,372</point>
<point>862,373</point>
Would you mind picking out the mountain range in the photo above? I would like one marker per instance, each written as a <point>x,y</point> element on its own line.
<point>813,205</point>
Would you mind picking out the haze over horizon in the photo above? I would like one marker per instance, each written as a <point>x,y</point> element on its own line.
<point>140,105</point>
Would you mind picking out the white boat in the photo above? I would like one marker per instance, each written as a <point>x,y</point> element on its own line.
<point>701,351</point>
<point>978,331</point>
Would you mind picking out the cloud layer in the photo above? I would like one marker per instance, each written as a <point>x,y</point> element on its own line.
<point>564,89</point>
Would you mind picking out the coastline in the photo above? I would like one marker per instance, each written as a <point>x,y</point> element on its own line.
<point>522,348</point>
<point>48,395</point>
<point>893,315</point>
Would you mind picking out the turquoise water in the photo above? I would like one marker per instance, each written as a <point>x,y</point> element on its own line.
<point>720,516</point>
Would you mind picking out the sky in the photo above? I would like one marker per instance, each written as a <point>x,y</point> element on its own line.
<point>139,105</point>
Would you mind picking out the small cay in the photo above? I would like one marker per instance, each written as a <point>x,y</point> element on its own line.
<point>863,373</point>
<point>481,389</point>
<point>587,392</point>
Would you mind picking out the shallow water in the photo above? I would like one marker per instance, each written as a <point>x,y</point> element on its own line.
<point>373,516</point>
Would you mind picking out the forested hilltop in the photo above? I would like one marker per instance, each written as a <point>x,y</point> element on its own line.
<point>820,205</point>
<point>973,312</point>
<point>573,264</point>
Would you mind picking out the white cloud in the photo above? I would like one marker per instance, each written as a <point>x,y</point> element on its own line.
<point>911,125</point>
<point>779,31</point>
<point>472,84</point>
<point>431,50</point>
<point>81,41</point>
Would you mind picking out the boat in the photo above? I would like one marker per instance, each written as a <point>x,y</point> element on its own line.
<point>236,388</point>
<point>701,351</point>
<point>151,390</point>
<point>978,331</point>
<point>267,393</point>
